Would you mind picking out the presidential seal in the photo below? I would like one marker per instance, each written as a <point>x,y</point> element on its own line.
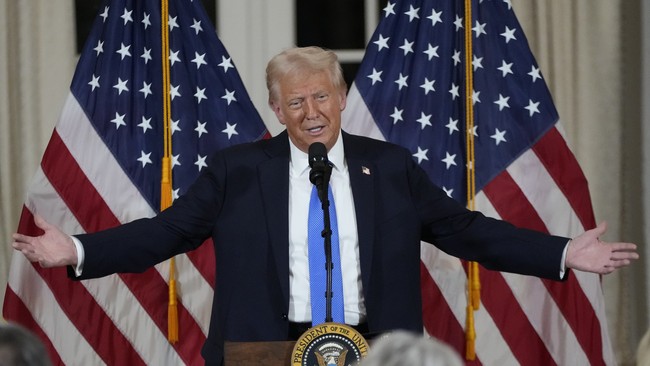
<point>329,344</point>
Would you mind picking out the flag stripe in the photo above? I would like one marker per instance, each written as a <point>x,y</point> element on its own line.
<point>513,206</point>
<point>80,200</point>
<point>128,315</point>
<point>554,153</point>
<point>542,311</point>
<point>114,186</point>
<point>15,306</point>
<point>68,294</point>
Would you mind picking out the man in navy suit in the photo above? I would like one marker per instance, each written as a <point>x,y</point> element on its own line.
<point>253,201</point>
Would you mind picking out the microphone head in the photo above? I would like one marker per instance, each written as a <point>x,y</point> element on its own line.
<point>317,154</point>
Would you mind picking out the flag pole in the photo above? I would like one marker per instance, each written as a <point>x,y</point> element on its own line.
<point>473,281</point>
<point>166,179</point>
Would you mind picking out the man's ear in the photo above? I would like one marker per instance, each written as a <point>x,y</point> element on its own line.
<point>277,110</point>
<point>343,100</point>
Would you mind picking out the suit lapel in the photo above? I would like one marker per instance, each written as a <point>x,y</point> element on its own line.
<point>361,171</point>
<point>274,185</point>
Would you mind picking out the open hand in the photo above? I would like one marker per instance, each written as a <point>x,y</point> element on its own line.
<point>588,253</point>
<point>52,249</point>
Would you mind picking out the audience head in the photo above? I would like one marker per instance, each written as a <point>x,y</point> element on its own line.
<point>406,348</point>
<point>19,347</point>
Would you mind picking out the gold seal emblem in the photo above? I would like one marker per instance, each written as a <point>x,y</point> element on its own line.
<point>329,344</point>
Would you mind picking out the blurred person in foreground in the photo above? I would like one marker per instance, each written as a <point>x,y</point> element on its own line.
<point>407,348</point>
<point>19,347</point>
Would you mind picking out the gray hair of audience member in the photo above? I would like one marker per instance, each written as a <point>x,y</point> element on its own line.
<point>19,347</point>
<point>299,60</point>
<point>407,348</point>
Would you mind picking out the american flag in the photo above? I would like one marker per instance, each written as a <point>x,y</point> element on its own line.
<point>410,90</point>
<point>102,167</point>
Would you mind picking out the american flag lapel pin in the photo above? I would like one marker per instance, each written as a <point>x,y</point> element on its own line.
<point>365,170</point>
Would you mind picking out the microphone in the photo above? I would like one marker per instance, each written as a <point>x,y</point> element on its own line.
<point>321,168</point>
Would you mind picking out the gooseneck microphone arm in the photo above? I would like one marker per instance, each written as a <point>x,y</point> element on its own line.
<point>321,170</point>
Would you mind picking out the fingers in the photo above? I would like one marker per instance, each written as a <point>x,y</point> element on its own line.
<point>40,222</point>
<point>601,228</point>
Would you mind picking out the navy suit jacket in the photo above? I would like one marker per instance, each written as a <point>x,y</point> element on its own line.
<point>241,201</point>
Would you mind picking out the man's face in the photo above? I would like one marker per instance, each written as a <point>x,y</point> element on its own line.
<point>310,107</point>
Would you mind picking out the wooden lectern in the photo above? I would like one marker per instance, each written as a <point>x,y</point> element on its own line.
<point>258,353</point>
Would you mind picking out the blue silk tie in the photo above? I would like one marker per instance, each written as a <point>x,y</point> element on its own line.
<point>317,270</point>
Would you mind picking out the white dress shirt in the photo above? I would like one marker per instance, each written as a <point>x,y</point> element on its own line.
<point>299,195</point>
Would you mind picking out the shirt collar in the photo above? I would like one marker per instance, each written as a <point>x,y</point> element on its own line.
<point>300,159</point>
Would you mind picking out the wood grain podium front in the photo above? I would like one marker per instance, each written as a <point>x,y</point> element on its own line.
<point>258,353</point>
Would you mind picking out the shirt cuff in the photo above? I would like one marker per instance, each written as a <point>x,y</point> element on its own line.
<point>563,261</point>
<point>80,256</point>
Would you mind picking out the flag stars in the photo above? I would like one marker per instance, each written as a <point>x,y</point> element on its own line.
<point>477,62</point>
<point>146,55</point>
<point>146,89</point>
<point>99,48</point>
<point>452,125</point>
<point>196,26</point>
<point>127,16</point>
<point>173,57</point>
<point>174,92</point>
<point>230,130</point>
<point>458,23</point>
<point>499,136</point>
<point>389,9</point>
<point>532,107</point>
<point>381,42</point>
<point>509,34</point>
<point>412,13</point>
<point>435,17</point>
<point>476,97</point>
<point>145,158</point>
<point>407,47</point>
<point>397,115</point>
<point>431,51</point>
<point>226,63</point>
<point>401,81</point>
<point>229,96</point>
<point>199,95</point>
<point>506,68</point>
<point>94,83</point>
<point>502,102</point>
<point>479,29</point>
<point>449,160</point>
<point>176,160</point>
<point>375,76</point>
<point>428,86</point>
<point>508,3</point>
<point>534,73</point>
<point>200,128</point>
<point>454,91</point>
<point>124,51</point>
<point>175,126</point>
<point>145,124</point>
<point>199,60</point>
<point>456,57</point>
<point>172,23</point>
<point>119,120</point>
<point>421,154</point>
<point>200,162</point>
<point>121,86</point>
<point>146,21</point>
<point>424,120</point>
<point>448,191</point>
<point>175,193</point>
<point>104,14</point>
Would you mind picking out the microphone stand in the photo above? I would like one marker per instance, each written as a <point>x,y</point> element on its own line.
<point>322,183</point>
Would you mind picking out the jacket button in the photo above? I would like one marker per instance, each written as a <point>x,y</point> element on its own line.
<point>285,317</point>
